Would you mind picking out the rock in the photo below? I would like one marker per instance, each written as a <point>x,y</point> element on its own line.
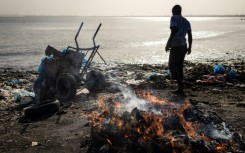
<point>241,104</point>
<point>25,101</point>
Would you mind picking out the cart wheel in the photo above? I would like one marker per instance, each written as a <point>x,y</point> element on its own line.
<point>95,81</point>
<point>66,87</point>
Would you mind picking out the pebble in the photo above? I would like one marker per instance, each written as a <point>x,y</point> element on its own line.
<point>216,91</point>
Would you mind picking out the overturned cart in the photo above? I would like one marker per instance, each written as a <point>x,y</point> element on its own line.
<point>61,75</point>
<point>69,68</point>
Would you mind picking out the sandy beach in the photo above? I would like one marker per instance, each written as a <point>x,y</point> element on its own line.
<point>99,77</point>
<point>68,129</point>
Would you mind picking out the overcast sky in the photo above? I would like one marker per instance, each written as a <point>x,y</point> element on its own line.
<point>120,7</point>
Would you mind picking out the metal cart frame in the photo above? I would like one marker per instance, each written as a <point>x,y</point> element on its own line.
<point>93,50</point>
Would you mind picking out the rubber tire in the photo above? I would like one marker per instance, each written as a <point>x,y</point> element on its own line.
<point>66,87</point>
<point>95,81</point>
<point>41,110</point>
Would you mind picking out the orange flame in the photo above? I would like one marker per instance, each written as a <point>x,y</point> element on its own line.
<point>220,148</point>
<point>109,141</point>
<point>171,139</point>
<point>146,131</point>
<point>154,100</point>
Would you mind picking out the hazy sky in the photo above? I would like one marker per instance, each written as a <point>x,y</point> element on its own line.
<point>119,7</point>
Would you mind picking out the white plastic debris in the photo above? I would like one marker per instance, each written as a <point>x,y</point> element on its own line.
<point>34,143</point>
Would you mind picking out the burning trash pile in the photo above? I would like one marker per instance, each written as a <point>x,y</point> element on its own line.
<point>144,123</point>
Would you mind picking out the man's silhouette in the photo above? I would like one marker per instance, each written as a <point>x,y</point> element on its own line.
<point>177,45</point>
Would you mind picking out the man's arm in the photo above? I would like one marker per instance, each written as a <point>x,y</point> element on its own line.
<point>189,41</point>
<point>173,32</point>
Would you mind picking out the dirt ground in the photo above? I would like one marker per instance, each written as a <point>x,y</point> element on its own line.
<point>68,131</point>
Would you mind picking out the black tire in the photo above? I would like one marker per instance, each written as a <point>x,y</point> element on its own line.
<point>41,110</point>
<point>66,87</point>
<point>95,81</point>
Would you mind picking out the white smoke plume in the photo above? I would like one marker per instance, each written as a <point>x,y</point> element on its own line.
<point>132,101</point>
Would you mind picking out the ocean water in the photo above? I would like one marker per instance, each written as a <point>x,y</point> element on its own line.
<point>122,39</point>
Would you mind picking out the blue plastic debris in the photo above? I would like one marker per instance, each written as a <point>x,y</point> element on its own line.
<point>219,69</point>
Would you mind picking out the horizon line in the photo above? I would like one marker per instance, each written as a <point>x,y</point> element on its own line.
<point>211,15</point>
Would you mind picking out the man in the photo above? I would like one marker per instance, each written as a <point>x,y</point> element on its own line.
<point>177,45</point>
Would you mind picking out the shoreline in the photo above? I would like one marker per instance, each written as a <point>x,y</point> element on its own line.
<point>233,62</point>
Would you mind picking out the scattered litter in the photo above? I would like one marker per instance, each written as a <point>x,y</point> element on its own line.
<point>13,81</point>
<point>216,91</point>
<point>19,93</point>
<point>219,69</point>
<point>83,91</point>
<point>4,93</point>
<point>33,143</point>
<point>158,77</point>
<point>241,85</point>
<point>134,82</point>
<point>215,80</point>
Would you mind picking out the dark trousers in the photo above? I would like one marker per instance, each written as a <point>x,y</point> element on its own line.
<point>176,62</point>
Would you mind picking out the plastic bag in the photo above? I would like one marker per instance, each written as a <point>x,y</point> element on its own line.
<point>232,75</point>
<point>19,93</point>
<point>219,69</point>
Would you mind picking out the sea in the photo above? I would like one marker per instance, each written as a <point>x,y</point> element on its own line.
<point>130,40</point>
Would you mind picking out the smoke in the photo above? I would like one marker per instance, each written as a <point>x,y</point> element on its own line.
<point>217,131</point>
<point>131,101</point>
<point>222,134</point>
